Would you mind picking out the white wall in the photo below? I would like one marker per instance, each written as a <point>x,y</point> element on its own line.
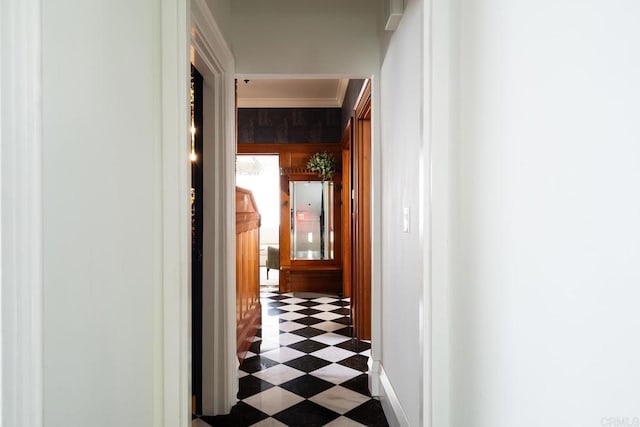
<point>305,36</point>
<point>546,252</point>
<point>401,143</point>
<point>102,259</point>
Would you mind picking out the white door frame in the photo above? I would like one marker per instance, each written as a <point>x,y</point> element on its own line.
<point>213,58</point>
<point>21,216</point>
<point>174,374</point>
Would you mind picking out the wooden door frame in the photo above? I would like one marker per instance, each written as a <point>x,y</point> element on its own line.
<point>362,224</point>
<point>347,139</point>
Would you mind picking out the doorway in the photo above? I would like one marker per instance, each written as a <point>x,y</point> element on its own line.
<point>297,117</point>
<point>196,156</point>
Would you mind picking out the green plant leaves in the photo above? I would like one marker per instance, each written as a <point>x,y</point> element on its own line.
<point>324,164</point>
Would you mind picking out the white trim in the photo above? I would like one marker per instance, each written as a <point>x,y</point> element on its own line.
<point>21,215</point>
<point>393,11</point>
<point>289,102</point>
<point>220,383</point>
<point>424,223</point>
<point>175,214</point>
<point>376,234</point>
<point>393,411</point>
<point>441,25</point>
<point>343,84</point>
<point>326,102</point>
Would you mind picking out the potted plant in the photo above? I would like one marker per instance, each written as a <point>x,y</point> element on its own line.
<point>324,164</point>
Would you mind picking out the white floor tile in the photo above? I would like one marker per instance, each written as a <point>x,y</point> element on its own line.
<point>271,422</point>
<point>293,300</point>
<point>339,399</point>
<point>330,338</point>
<point>283,354</point>
<point>199,423</point>
<point>273,400</point>
<point>271,343</point>
<point>325,307</point>
<point>344,422</point>
<point>332,354</point>
<point>324,300</point>
<point>278,374</point>
<point>288,339</point>
<point>366,353</point>
<point>335,373</point>
<point>292,307</point>
<point>325,315</point>
<point>291,316</point>
<point>268,294</point>
<point>327,326</point>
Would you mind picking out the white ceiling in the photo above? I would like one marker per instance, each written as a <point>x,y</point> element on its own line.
<point>300,93</point>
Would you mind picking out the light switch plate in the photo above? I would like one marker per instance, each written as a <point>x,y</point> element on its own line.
<point>406,219</point>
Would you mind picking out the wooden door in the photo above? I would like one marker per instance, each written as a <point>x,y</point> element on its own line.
<point>361,225</point>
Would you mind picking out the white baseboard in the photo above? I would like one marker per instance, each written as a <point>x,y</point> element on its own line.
<point>396,417</point>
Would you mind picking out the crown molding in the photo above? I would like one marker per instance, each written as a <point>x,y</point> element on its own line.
<point>326,102</point>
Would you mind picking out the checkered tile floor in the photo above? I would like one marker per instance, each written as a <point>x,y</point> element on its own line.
<point>303,369</point>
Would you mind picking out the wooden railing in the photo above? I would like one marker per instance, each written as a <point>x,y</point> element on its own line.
<point>248,308</point>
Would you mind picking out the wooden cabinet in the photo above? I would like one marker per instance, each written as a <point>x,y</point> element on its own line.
<point>310,233</point>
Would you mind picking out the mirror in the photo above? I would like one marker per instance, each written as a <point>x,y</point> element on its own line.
<point>312,222</point>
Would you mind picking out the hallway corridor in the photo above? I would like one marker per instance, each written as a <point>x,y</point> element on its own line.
<point>303,369</point>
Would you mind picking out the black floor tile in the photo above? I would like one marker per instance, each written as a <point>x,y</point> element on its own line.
<point>346,320</point>
<point>347,332</point>
<point>355,345</point>
<point>257,363</point>
<point>309,321</point>
<point>307,386</point>
<point>250,385</point>
<point>308,311</point>
<point>307,363</point>
<point>309,303</point>
<point>357,362</point>
<point>370,413</point>
<point>359,384</point>
<point>308,346</point>
<point>308,332</point>
<point>342,311</point>
<point>307,414</point>
<point>242,415</point>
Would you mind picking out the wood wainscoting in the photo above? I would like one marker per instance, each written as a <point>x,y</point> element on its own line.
<point>311,278</point>
<point>248,307</point>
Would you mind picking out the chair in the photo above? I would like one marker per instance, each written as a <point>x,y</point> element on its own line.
<point>273,259</point>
